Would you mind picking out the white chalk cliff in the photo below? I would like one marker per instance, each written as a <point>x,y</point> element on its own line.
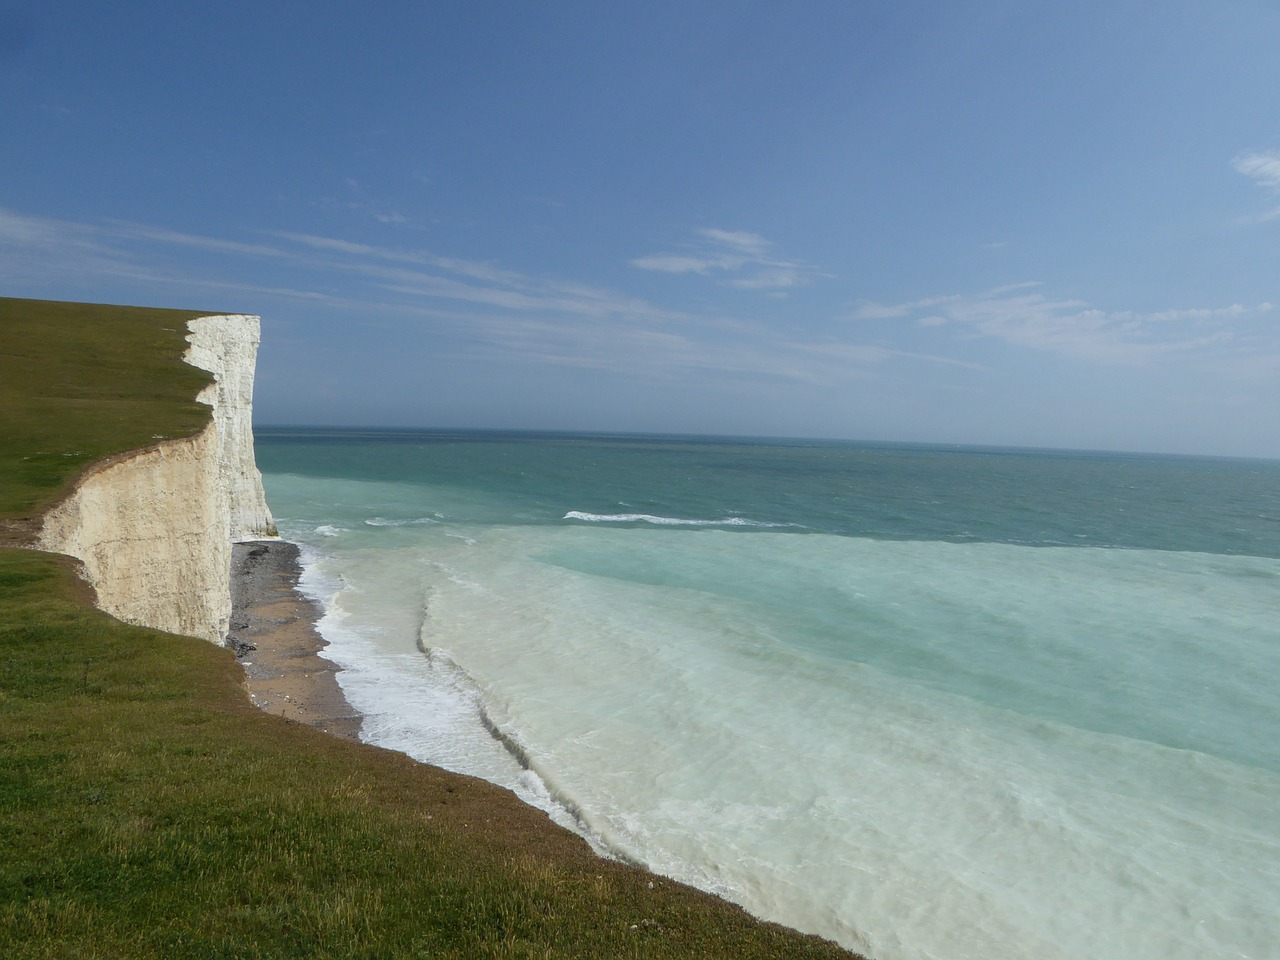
<point>153,528</point>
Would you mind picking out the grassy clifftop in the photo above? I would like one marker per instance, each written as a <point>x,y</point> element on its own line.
<point>80,382</point>
<point>148,810</point>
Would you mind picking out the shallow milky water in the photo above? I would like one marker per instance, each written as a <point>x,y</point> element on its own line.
<point>867,692</point>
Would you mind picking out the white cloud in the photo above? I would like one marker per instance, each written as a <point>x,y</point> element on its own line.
<point>361,204</point>
<point>751,244</point>
<point>33,248</point>
<point>769,278</point>
<point>1017,315</point>
<point>418,274</point>
<point>869,353</point>
<point>674,263</point>
<point>135,231</point>
<point>19,228</point>
<point>868,310</point>
<point>1263,168</point>
<point>735,257</point>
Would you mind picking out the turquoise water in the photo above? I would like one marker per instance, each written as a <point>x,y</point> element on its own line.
<point>927,702</point>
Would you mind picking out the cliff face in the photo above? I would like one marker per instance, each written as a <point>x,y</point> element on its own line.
<point>154,528</point>
<point>227,346</point>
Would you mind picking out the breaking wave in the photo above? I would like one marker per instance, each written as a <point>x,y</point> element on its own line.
<point>414,522</point>
<point>669,521</point>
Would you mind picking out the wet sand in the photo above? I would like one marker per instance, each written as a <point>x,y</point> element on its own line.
<point>273,632</point>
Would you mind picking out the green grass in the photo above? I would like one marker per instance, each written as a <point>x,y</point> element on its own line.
<point>79,382</point>
<point>148,810</point>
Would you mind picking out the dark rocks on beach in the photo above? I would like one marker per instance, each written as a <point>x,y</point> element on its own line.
<point>287,675</point>
<point>262,572</point>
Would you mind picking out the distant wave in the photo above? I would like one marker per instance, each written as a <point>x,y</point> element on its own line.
<point>383,522</point>
<point>668,521</point>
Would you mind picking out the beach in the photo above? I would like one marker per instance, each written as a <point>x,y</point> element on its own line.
<point>273,633</point>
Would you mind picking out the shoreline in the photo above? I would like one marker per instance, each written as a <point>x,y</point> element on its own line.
<point>274,637</point>
<point>275,640</point>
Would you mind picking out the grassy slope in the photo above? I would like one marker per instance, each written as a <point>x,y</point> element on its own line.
<point>148,810</point>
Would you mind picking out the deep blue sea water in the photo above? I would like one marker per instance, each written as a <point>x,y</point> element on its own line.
<point>928,702</point>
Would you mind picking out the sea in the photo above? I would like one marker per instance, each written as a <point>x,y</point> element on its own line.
<point>928,702</point>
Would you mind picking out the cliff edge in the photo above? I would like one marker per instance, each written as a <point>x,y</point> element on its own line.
<point>153,528</point>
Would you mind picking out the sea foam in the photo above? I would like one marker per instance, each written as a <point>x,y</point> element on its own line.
<point>703,734</point>
<point>669,521</point>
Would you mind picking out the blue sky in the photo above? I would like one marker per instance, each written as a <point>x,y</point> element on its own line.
<point>1025,223</point>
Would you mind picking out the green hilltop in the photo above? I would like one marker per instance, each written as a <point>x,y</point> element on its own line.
<point>148,810</point>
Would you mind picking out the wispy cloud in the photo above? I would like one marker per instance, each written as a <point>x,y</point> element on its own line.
<point>868,354</point>
<point>361,204</point>
<point>420,273</point>
<point>485,310</point>
<point>750,244</point>
<point>1263,168</point>
<point>734,258</point>
<point>1019,314</point>
<point>879,311</point>
<point>478,270</point>
<point>32,247</point>
<point>122,229</point>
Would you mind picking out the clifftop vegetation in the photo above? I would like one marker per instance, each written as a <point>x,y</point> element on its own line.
<point>81,382</point>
